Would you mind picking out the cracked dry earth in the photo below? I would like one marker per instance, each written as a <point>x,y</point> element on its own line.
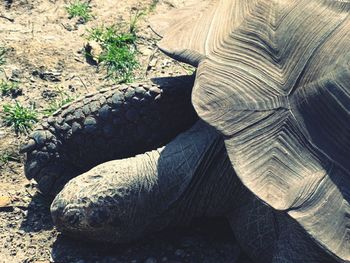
<point>45,52</point>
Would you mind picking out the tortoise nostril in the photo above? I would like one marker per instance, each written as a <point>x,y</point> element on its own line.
<point>98,217</point>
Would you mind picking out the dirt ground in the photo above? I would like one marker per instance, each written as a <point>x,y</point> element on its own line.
<point>45,51</point>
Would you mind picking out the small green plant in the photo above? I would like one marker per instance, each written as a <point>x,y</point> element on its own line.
<point>118,54</point>
<point>134,19</point>
<point>9,88</point>
<point>2,55</point>
<point>153,5</point>
<point>8,156</point>
<point>189,69</point>
<point>19,117</point>
<point>81,10</point>
<point>63,99</point>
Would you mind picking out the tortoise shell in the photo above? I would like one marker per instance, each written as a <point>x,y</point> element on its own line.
<point>274,78</point>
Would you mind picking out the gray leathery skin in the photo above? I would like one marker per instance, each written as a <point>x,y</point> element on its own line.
<point>267,235</point>
<point>110,124</point>
<point>122,200</point>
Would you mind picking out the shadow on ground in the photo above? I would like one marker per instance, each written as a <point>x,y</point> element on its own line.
<point>38,216</point>
<point>209,241</point>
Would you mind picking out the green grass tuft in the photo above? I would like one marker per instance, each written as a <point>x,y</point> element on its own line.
<point>57,103</point>
<point>8,156</point>
<point>134,19</point>
<point>80,9</point>
<point>8,88</point>
<point>19,117</point>
<point>118,51</point>
<point>153,5</point>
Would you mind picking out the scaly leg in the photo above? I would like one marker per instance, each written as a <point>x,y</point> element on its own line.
<point>111,124</point>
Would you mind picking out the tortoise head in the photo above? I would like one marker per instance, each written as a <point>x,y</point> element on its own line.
<point>122,200</point>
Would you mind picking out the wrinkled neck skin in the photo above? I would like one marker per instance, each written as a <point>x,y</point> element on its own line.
<point>213,190</point>
<point>194,178</point>
<point>123,200</point>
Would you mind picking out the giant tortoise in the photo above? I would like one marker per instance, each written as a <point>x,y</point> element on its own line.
<point>269,148</point>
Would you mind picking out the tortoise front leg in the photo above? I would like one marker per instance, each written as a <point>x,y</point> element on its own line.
<point>270,236</point>
<point>295,246</point>
<point>122,200</point>
<point>110,124</point>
